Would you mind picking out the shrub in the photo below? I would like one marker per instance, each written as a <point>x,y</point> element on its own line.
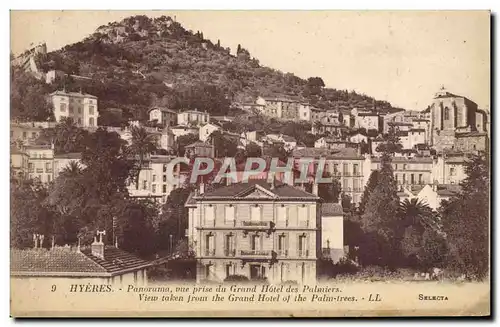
<point>236,278</point>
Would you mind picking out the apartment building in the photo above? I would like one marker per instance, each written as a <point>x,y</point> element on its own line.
<point>41,162</point>
<point>409,170</point>
<point>280,107</point>
<point>163,116</point>
<point>193,117</point>
<point>260,229</point>
<point>153,182</point>
<point>346,164</point>
<point>80,107</point>
<point>28,132</point>
<point>19,162</point>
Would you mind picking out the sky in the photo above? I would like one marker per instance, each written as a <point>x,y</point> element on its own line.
<point>403,57</point>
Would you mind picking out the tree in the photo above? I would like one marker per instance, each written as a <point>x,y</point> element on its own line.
<point>381,213</point>
<point>466,221</point>
<point>28,101</point>
<point>370,186</point>
<point>174,218</point>
<point>329,192</point>
<point>143,144</point>
<point>27,214</point>
<point>391,144</point>
<point>224,146</point>
<point>66,137</point>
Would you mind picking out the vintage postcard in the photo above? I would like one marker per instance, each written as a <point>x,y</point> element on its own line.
<point>250,163</point>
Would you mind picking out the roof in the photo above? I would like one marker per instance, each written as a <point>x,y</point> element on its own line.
<point>471,134</point>
<point>241,190</point>
<point>316,109</point>
<point>417,130</point>
<point>331,209</point>
<point>70,262</point>
<point>73,94</point>
<point>73,155</point>
<point>184,127</point>
<point>287,138</point>
<point>341,153</point>
<point>402,133</point>
<point>427,159</point>
<point>193,112</point>
<point>399,123</point>
<point>367,114</point>
<point>162,109</point>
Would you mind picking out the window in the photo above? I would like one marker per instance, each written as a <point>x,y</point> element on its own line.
<point>255,213</point>
<point>404,166</point>
<point>229,213</point>
<point>303,214</point>
<point>164,178</point>
<point>48,178</point>
<point>282,213</point>
<point>24,135</point>
<point>229,245</point>
<point>452,171</point>
<point>255,243</point>
<point>355,169</point>
<point>302,246</point>
<point>154,178</point>
<point>91,121</point>
<point>210,245</point>
<point>153,188</point>
<point>412,179</point>
<point>229,270</point>
<point>91,110</point>
<point>446,113</point>
<point>335,168</point>
<point>420,178</point>
<point>284,271</point>
<point>30,167</point>
<point>47,167</point>
<point>33,135</point>
<point>79,110</point>
<point>70,109</point>
<point>356,185</point>
<point>345,169</point>
<point>144,185</point>
<point>345,184</point>
<point>404,178</point>
<point>79,121</point>
<point>62,107</point>
<point>282,246</point>
<point>209,213</point>
<point>165,169</point>
<point>164,188</point>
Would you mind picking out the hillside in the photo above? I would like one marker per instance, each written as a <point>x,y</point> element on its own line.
<point>140,62</point>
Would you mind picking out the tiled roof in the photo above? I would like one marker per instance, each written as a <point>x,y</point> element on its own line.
<point>238,190</point>
<point>69,262</point>
<point>162,109</point>
<point>73,155</point>
<point>331,209</point>
<point>74,94</point>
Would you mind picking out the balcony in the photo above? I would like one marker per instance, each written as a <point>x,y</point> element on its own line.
<point>209,252</point>
<point>282,253</point>
<point>230,252</point>
<point>303,253</point>
<point>255,252</point>
<point>48,170</point>
<point>39,170</point>
<point>252,223</point>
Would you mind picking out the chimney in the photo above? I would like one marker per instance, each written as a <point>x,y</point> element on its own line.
<point>315,188</point>
<point>98,245</point>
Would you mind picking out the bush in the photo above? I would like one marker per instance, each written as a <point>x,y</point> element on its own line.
<point>345,267</point>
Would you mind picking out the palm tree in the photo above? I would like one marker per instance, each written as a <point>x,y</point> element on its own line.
<point>142,145</point>
<point>73,169</point>
<point>417,214</point>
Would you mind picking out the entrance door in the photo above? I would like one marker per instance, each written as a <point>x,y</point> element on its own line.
<point>255,271</point>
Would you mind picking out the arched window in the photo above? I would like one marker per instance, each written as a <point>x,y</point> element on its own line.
<point>446,113</point>
<point>91,121</point>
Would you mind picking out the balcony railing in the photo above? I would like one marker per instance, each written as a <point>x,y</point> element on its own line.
<point>252,223</point>
<point>48,170</point>
<point>230,252</point>
<point>209,252</point>
<point>255,252</point>
<point>303,253</point>
<point>282,253</point>
<point>39,170</point>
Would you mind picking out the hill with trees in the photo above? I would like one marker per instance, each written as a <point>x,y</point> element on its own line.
<point>141,62</point>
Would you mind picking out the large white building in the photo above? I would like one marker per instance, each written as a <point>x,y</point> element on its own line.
<point>193,117</point>
<point>82,108</point>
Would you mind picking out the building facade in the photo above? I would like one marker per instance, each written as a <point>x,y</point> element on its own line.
<point>163,116</point>
<point>260,229</point>
<point>81,108</point>
<point>193,117</point>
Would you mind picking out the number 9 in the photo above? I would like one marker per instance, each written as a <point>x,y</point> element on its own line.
<point>53,289</point>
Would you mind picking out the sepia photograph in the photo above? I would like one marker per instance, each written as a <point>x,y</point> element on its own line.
<point>250,163</point>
